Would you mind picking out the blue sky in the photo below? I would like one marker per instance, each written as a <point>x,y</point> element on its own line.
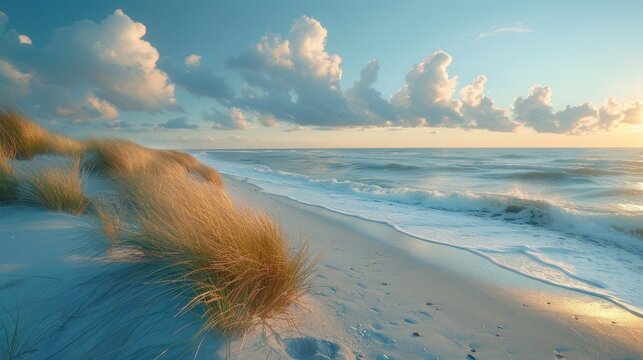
<point>572,53</point>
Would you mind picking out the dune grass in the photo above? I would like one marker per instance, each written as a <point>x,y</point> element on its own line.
<point>9,185</point>
<point>23,139</point>
<point>123,157</point>
<point>59,188</point>
<point>233,260</point>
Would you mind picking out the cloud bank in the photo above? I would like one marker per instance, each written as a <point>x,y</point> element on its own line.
<point>294,79</point>
<point>99,70</point>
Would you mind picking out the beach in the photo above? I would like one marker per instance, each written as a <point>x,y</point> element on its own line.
<point>376,294</point>
<point>381,286</point>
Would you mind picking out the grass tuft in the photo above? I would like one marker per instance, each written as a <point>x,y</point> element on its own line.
<point>233,260</point>
<point>23,139</point>
<point>123,157</point>
<point>110,220</point>
<point>9,186</point>
<point>59,188</point>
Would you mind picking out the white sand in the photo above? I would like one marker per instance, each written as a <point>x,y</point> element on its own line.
<point>376,282</point>
<point>370,295</point>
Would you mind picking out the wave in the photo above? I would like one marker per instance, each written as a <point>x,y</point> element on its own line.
<point>389,166</point>
<point>514,207</point>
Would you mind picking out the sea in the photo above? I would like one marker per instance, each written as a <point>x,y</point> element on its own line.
<point>568,217</point>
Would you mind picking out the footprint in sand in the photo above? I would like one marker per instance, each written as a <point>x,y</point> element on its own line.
<point>310,348</point>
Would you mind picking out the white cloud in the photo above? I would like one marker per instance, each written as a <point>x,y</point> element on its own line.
<point>308,41</point>
<point>516,28</point>
<point>24,39</point>
<point>12,75</point>
<point>480,111</point>
<point>611,113</point>
<point>231,119</point>
<point>192,60</point>
<point>91,107</point>
<point>105,67</point>
<point>426,97</point>
<point>536,111</point>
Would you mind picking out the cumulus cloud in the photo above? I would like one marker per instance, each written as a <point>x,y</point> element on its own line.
<point>90,70</point>
<point>295,79</point>
<point>231,119</point>
<point>481,111</point>
<point>178,123</point>
<point>536,111</point>
<point>426,97</point>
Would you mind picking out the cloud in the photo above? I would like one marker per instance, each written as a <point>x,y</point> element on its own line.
<point>481,111</point>
<point>268,121</point>
<point>91,107</point>
<point>295,80</point>
<point>192,60</point>
<point>612,113</point>
<point>90,70</point>
<point>231,119</point>
<point>516,28</point>
<point>117,125</point>
<point>24,39</point>
<point>426,97</point>
<point>536,111</point>
<point>178,123</point>
<point>199,79</point>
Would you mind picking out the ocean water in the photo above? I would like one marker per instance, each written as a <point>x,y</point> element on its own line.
<point>570,217</point>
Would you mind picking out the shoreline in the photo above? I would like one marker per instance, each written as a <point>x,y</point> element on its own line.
<point>513,297</point>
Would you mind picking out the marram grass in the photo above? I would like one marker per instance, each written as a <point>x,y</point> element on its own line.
<point>59,188</point>
<point>122,157</point>
<point>233,260</point>
<point>9,185</point>
<point>23,139</point>
<point>175,215</point>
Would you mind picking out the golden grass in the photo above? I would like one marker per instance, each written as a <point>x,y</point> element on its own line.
<point>23,139</point>
<point>9,186</point>
<point>123,157</point>
<point>234,260</point>
<point>59,188</point>
<point>110,220</point>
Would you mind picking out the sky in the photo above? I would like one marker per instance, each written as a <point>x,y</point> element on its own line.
<point>282,74</point>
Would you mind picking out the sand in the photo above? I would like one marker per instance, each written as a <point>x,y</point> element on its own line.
<point>377,294</point>
<point>382,286</point>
